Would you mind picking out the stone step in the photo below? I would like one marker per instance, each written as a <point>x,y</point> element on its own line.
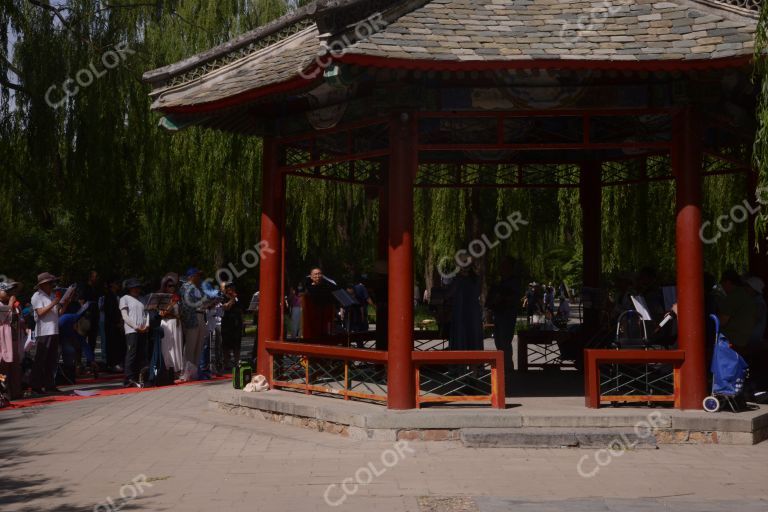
<point>533,437</point>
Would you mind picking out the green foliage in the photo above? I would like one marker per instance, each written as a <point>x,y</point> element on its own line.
<point>760,149</point>
<point>96,183</point>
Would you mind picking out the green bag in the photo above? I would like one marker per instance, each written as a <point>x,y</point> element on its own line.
<point>241,375</point>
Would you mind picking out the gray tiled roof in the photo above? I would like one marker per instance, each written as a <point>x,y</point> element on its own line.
<point>272,65</point>
<point>472,30</point>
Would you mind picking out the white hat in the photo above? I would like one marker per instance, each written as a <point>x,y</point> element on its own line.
<point>258,383</point>
<point>755,283</point>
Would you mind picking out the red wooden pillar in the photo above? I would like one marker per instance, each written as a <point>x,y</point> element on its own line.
<point>403,163</point>
<point>686,166</point>
<point>271,264</point>
<point>590,199</point>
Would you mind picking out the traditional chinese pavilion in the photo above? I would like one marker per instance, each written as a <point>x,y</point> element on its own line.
<point>398,94</point>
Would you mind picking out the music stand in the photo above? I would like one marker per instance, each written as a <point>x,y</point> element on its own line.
<point>254,305</point>
<point>158,301</point>
<point>346,301</point>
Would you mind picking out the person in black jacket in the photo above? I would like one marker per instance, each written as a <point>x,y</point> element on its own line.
<point>231,326</point>
<point>91,292</point>
<point>114,336</point>
<point>504,300</point>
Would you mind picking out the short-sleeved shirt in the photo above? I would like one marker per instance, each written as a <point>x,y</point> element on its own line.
<point>135,310</point>
<point>741,309</point>
<point>48,324</point>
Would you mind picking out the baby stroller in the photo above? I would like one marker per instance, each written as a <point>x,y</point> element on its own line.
<point>729,371</point>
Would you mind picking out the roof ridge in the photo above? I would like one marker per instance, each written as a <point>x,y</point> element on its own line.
<point>242,41</point>
<point>309,14</point>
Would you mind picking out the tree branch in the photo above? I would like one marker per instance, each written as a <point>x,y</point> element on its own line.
<point>6,83</point>
<point>55,10</point>
<point>127,6</point>
<point>10,65</point>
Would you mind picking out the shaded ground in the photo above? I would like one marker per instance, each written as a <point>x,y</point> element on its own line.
<point>77,455</point>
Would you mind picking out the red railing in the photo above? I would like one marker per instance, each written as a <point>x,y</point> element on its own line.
<point>361,373</point>
<point>463,357</point>
<point>594,358</point>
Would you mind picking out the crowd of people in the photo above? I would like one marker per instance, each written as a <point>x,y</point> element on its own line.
<point>736,300</point>
<point>187,329</point>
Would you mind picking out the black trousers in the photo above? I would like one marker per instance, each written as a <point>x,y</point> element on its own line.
<point>231,341</point>
<point>135,344</point>
<point>46,359</point>
<point>93,333</point>
<point>503,333</point>
<point>114,344</point>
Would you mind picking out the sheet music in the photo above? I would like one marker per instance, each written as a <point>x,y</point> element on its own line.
<point>83,308</point>
<point>68,294</point>
<point>158,301</point>
<point>670,296</point>
<point>641,307</point>
<point>254,305</point>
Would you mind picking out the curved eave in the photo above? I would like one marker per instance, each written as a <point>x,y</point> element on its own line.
<point>299,83</point>
<point>296,84</point>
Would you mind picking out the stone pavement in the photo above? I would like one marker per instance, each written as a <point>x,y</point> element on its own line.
<point>179,455</point>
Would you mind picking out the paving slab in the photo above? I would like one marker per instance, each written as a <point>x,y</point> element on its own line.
<point>615,439</point>
<point>188,453</point>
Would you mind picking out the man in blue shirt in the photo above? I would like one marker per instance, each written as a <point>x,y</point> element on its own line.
<point>73,329</point>
<point>193,316</point>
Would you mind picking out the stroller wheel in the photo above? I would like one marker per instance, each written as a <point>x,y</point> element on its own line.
<point>711,404</point>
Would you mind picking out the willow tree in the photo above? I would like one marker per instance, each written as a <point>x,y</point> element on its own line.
<point>91,179</point>
<point>760,150</point>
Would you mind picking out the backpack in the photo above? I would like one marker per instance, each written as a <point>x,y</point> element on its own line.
<point>241,374</point>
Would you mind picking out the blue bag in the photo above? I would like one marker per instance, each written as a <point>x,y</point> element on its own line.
<point>728,368</point>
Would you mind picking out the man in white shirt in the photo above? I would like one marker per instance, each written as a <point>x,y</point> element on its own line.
<point>136,325</point>
<point>46,307</point>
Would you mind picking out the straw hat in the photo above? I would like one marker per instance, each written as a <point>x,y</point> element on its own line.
<point>170,277</point>
<point>8,285</point>
<point>258,383</point>
<point>45,277</point>
<point>132,283</point>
